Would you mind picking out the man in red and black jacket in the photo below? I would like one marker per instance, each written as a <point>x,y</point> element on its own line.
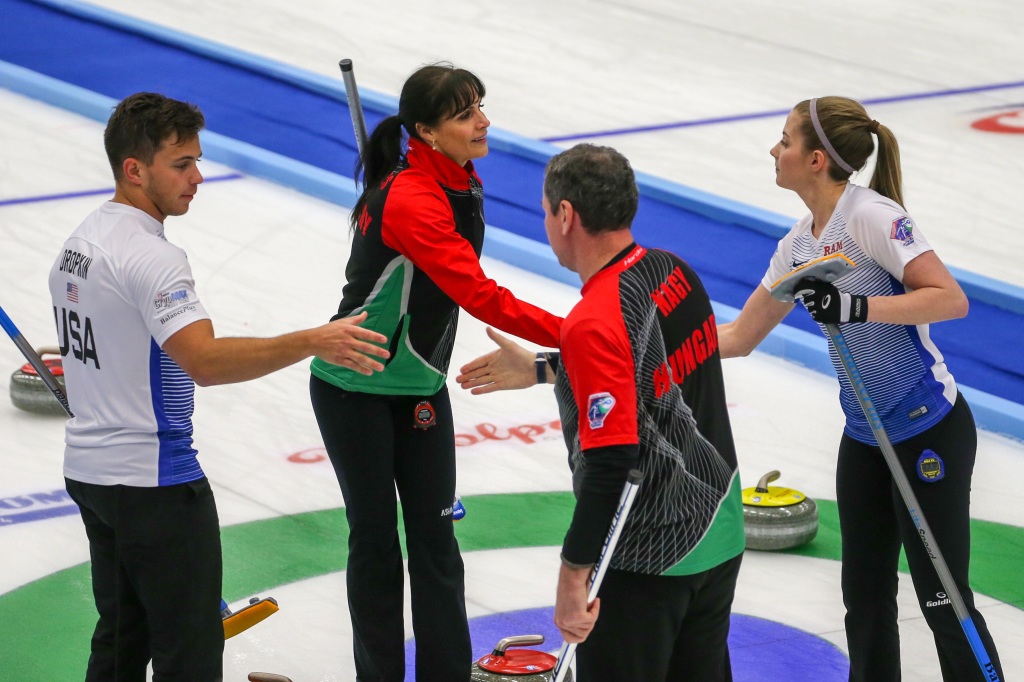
<point>639,386</point>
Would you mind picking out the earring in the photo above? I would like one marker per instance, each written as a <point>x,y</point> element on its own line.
<point>433,145</point>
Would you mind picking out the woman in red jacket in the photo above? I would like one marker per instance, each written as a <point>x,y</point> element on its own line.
<point>417,235</point>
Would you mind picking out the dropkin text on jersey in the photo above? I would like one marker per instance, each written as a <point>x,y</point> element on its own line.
<point>75,263</point>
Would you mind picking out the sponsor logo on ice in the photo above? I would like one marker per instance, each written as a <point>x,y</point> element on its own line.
<point>35,507</point>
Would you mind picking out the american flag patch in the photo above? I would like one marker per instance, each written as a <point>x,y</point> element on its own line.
<point>72,292</point>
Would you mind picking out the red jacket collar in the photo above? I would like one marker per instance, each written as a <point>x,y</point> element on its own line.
<point>439,166</point>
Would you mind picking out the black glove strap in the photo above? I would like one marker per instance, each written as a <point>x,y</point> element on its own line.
<point>858,308</point>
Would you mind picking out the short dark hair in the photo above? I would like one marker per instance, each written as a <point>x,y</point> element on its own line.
<point>142,122</point>
<point>598,182</point>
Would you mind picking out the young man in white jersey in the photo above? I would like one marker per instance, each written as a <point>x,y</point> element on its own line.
<point>135,340</point>
<point>884,305</point>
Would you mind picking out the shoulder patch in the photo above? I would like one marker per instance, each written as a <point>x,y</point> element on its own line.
<point>598,407</point>
<point>170,299</point>
<point>903,230</point>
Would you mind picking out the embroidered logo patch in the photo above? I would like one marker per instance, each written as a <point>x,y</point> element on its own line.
<point>170,299</point>
<point>600,404</point>
<point>903,230</point>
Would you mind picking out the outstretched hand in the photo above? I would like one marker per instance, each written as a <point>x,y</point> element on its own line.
<point>343,342</point>
<point>509,367</point>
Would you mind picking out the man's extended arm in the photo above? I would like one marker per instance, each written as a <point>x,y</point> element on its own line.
<point>210,361</point>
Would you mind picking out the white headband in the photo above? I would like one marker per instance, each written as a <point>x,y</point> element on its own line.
<point>824,140</point>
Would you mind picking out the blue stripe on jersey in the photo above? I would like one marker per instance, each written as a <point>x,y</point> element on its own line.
<point>894,360</point>
<point>173,394</point>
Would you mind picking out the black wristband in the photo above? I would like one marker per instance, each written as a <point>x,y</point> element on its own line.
<point>858,308</point>
<point>541,363</point>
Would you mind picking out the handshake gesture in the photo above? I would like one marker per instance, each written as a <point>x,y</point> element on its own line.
<point>828,305</point>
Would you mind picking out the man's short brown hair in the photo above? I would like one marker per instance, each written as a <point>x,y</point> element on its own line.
<point>142,122</point>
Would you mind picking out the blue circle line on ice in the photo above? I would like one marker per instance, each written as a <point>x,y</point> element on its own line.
<point>759,649</point>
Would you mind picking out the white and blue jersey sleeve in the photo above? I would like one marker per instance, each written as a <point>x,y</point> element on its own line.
<point>119,291</point>
<point>903,370</point>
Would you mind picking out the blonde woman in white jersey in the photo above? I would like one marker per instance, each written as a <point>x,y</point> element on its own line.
<point>884,306</point>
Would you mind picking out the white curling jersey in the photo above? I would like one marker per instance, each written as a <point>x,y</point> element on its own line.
<point>903,370</point>
<point>119,291</point>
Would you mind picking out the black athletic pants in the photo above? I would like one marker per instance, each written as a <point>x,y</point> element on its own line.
<point>875,522</point>
<point>656,628</point>
<point>156,579</point>
<point>377,443</point>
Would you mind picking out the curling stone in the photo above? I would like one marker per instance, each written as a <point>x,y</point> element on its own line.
<point>777,518</point>
<point>520,665</point>
<point>28,392</point>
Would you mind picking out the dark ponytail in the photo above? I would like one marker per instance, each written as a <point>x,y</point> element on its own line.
<point>380,155</point>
